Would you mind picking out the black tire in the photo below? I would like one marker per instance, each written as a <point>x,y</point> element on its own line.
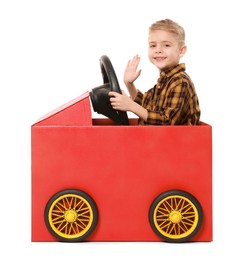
<point>175,216</point>
<point>71,215</point>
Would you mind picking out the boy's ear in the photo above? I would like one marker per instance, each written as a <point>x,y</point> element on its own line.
<point>182,51</point>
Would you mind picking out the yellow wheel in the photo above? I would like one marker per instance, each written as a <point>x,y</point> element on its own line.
<point>71,215</point>
<point>175,216</point>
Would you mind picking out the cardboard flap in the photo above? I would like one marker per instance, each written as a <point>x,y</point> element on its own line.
<point>76,112</point>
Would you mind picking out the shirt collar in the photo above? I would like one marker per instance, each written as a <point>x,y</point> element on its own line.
<point>169,72</point>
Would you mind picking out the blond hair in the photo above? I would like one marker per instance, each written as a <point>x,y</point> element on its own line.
<point>170,26</point>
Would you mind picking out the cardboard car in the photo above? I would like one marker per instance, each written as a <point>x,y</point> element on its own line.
<point>108,179</point>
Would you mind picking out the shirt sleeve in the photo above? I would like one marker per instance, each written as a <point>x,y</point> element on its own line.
<point>168,111</point>
<point>139,98</point>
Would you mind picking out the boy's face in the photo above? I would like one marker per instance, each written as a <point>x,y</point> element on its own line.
<point>164,49</point>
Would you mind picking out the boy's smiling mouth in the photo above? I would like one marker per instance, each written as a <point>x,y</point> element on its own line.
<point>159,58</point>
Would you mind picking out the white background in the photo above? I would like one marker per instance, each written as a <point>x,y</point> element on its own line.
<point>49,54</point>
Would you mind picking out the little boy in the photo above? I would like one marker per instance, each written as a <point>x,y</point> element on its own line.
<point>173,100</point>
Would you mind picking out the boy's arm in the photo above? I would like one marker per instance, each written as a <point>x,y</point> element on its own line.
<point>124,103</point>
<point>132,90</point>
<point>139,111</point>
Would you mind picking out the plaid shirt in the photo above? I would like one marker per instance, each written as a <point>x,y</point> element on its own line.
<point>172,101</point>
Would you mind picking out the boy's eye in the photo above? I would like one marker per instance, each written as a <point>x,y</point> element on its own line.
<point>167,45</point>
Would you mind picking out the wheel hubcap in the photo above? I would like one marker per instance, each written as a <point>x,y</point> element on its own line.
<point>70,215</point>
<point>175,216</point>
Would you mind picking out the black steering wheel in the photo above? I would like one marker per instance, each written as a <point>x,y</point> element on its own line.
<point>99,95</point>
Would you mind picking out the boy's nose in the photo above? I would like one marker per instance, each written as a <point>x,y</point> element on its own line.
<point>159,49</point>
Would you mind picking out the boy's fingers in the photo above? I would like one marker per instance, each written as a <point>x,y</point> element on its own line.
<point>112,93</point>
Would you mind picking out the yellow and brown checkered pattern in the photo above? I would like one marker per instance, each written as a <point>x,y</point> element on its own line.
<point>172,101</point>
